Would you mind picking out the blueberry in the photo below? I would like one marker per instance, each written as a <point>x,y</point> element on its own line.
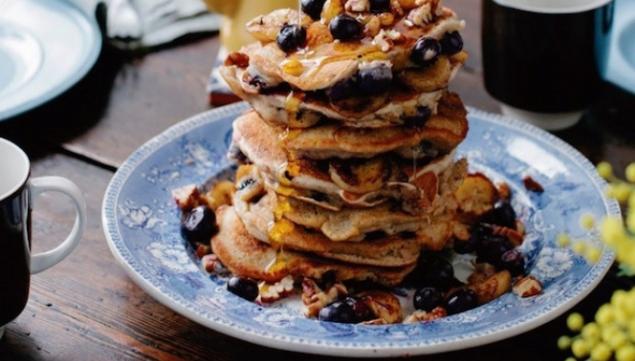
<point>513,261</point>
<point>433,271</point>
<point>478,232</point>
<point>491,248</point>
<point>342,90</point>
<point>339,311</point>
<point>243,287</point>
<point>199,225</point>
<point>425,52</point>
<point>313,8</point>
<point>461,300</point>
<point>451,43</point>
<point>291,37</point>
<point>373,80</point>
<point>345,27</point>
<point>419,118</point>
<point>427,299</point>
<point>465,246</point>
<point>379,6</point>
<point>503,215</point>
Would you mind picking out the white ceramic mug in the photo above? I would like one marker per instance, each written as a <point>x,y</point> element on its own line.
<point>17,192</point>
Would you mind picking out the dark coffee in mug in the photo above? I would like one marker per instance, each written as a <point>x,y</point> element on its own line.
<point>15,255</point>
<point>545,55</point>
<point>16,262</point>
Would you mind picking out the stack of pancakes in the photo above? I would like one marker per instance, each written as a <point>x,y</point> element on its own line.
<point>357,185</point>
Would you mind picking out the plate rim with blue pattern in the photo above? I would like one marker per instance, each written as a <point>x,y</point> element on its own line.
<point>164,269</point>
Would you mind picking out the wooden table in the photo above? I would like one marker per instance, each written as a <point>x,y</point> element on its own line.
<point>86,308</point>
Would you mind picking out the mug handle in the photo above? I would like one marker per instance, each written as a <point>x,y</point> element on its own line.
<point>48,259</point>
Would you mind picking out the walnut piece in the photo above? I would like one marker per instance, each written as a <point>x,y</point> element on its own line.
<point>269,293</point>
<point>514,236</point>
<point>385,39</point>
<point>314,298</point>
<point>384,305</point>
<point>527,286</point>
<point>213,265</point>
<point>357,6</point>
<point>238,59</point>
<point>187,197</point>
<point>423,316</point>
<point>421,15</point>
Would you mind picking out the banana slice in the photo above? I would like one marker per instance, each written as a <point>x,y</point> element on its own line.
<point>265,28</point>
<point>360,177</point>
<point>435,77</point>
<point>476,195</point>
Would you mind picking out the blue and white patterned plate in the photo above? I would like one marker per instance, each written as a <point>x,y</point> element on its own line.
<point>141,224</point>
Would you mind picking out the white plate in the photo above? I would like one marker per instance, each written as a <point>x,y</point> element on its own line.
<point>46,46</point>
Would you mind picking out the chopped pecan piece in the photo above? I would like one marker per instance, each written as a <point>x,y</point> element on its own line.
<point>423,316</point>
<point>314,298</point>
<point>527,286</point>
<point>532,185</point>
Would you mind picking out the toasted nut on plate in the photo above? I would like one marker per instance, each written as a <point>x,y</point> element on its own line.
<point>482,271</point>
<point>314,298</point>
<point>269,293</point>
<point>212,265</point>
<point>527,286</point>
<point>423,316</point>
<point>503,191</point>
<point>532,185</point>
<point>514,236</point>
<point>493,287</point>
<point>241,60</point>
<point>384,305</point>
<point>186,197</point>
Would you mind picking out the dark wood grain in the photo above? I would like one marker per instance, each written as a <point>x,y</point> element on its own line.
<point>86,308</point>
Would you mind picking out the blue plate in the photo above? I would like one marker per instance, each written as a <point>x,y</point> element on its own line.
<point>46,46</point>
<point>141,224</point>
<point>620,69</point>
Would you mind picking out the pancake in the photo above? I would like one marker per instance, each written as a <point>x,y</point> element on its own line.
<point>245,256</point>
<point>441,133</point>
<point>358,231</point>
<point>276,108</point>
<point>258,219</point>
<point>301,110</point>
<point>324,62</point>
<point>333,184</point>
